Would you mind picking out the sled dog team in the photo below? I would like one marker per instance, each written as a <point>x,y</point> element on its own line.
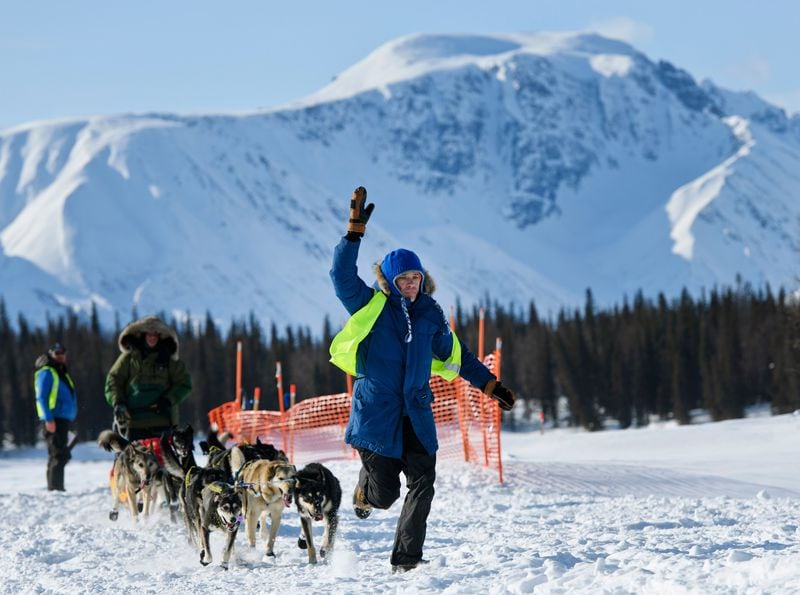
<point>396,337</point>
<point>250,482</point>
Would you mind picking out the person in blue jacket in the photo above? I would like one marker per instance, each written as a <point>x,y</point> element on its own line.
<point>396,337</point>
<point>57,407</point>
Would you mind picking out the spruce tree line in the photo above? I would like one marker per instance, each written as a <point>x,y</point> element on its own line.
<point>722,352</point>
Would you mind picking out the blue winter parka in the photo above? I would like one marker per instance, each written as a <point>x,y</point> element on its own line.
<point>393,376</point>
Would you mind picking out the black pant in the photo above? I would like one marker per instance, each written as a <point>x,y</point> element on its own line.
<point>58,454</point>
<point>380,480</point>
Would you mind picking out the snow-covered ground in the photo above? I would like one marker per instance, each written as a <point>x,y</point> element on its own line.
<point>710,508</point>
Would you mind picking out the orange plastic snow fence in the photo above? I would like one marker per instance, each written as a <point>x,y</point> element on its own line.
<point>467,424</point>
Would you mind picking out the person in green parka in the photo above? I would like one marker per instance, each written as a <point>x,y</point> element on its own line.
<point>148,381</point>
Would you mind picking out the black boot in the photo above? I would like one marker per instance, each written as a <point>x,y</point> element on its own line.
<point>55,476</point>
<point>401,568</point>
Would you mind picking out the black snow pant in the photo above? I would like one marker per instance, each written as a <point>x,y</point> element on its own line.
<point>58,454</point>
<point>379,478</point>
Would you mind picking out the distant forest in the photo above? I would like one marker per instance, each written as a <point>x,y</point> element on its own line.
<point>722,351</point>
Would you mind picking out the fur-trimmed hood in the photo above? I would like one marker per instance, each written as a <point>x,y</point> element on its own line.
<point>397,262</point>
<point>132,336</point>
<point>428,285</point>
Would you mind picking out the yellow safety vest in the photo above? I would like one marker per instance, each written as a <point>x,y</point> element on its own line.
<point>345,344</point>
<point>51,400</point>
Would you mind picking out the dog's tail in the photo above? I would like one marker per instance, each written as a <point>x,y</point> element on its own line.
<point>111,441</point>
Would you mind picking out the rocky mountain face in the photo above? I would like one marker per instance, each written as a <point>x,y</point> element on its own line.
<point>519,167</point>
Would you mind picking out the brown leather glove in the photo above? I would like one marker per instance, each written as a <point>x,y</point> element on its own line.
<point>504,396</point>
<point>359,213</point>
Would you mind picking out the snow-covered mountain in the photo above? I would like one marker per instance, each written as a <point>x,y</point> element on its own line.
<point>520,166</point>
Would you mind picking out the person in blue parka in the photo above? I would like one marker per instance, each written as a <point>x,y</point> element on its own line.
<point>397,336</point>
<point>57,407</point>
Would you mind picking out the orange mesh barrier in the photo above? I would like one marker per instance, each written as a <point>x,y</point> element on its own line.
<point>467,425</point>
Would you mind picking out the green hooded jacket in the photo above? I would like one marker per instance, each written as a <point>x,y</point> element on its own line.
<point>142,376</point>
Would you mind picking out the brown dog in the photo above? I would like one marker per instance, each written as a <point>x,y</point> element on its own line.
<point>135,472</point>
<point>269,486</point>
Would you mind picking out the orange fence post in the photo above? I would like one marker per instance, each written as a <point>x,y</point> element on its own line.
<point>279,385</point>
<point>480,333</point>
<point>281,406</point>
<point>498,414</point>
<point>238,398</point>
<point>256,398</point>
<point>290,423</point>
<point>462,400</point>
<point>483,398</point>
<point>498,348</point>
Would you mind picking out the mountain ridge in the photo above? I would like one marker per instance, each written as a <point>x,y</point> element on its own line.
<point>520,166</point>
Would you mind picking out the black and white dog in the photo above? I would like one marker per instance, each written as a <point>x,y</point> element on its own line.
<point>214,505</point>
<point>179,441</point>
<point>318,495</point>
<point>209,501</point>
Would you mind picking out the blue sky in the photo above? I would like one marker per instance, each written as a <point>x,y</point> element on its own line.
<point>87,57</point>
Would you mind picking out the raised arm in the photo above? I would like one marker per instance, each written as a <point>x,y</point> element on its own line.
<point>350,288</point>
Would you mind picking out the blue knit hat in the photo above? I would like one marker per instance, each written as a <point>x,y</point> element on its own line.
<point>398,262</point>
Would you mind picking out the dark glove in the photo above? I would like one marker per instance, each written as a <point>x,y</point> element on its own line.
<point>163,405</point>
<point>504,396</point>
<point>359,214</point>
<point>121,414</point>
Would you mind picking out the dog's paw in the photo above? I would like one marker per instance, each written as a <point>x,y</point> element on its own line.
<point>269,557</point>
<point>113,515</point>
<point>302,543</point>
<point>203,560</point>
